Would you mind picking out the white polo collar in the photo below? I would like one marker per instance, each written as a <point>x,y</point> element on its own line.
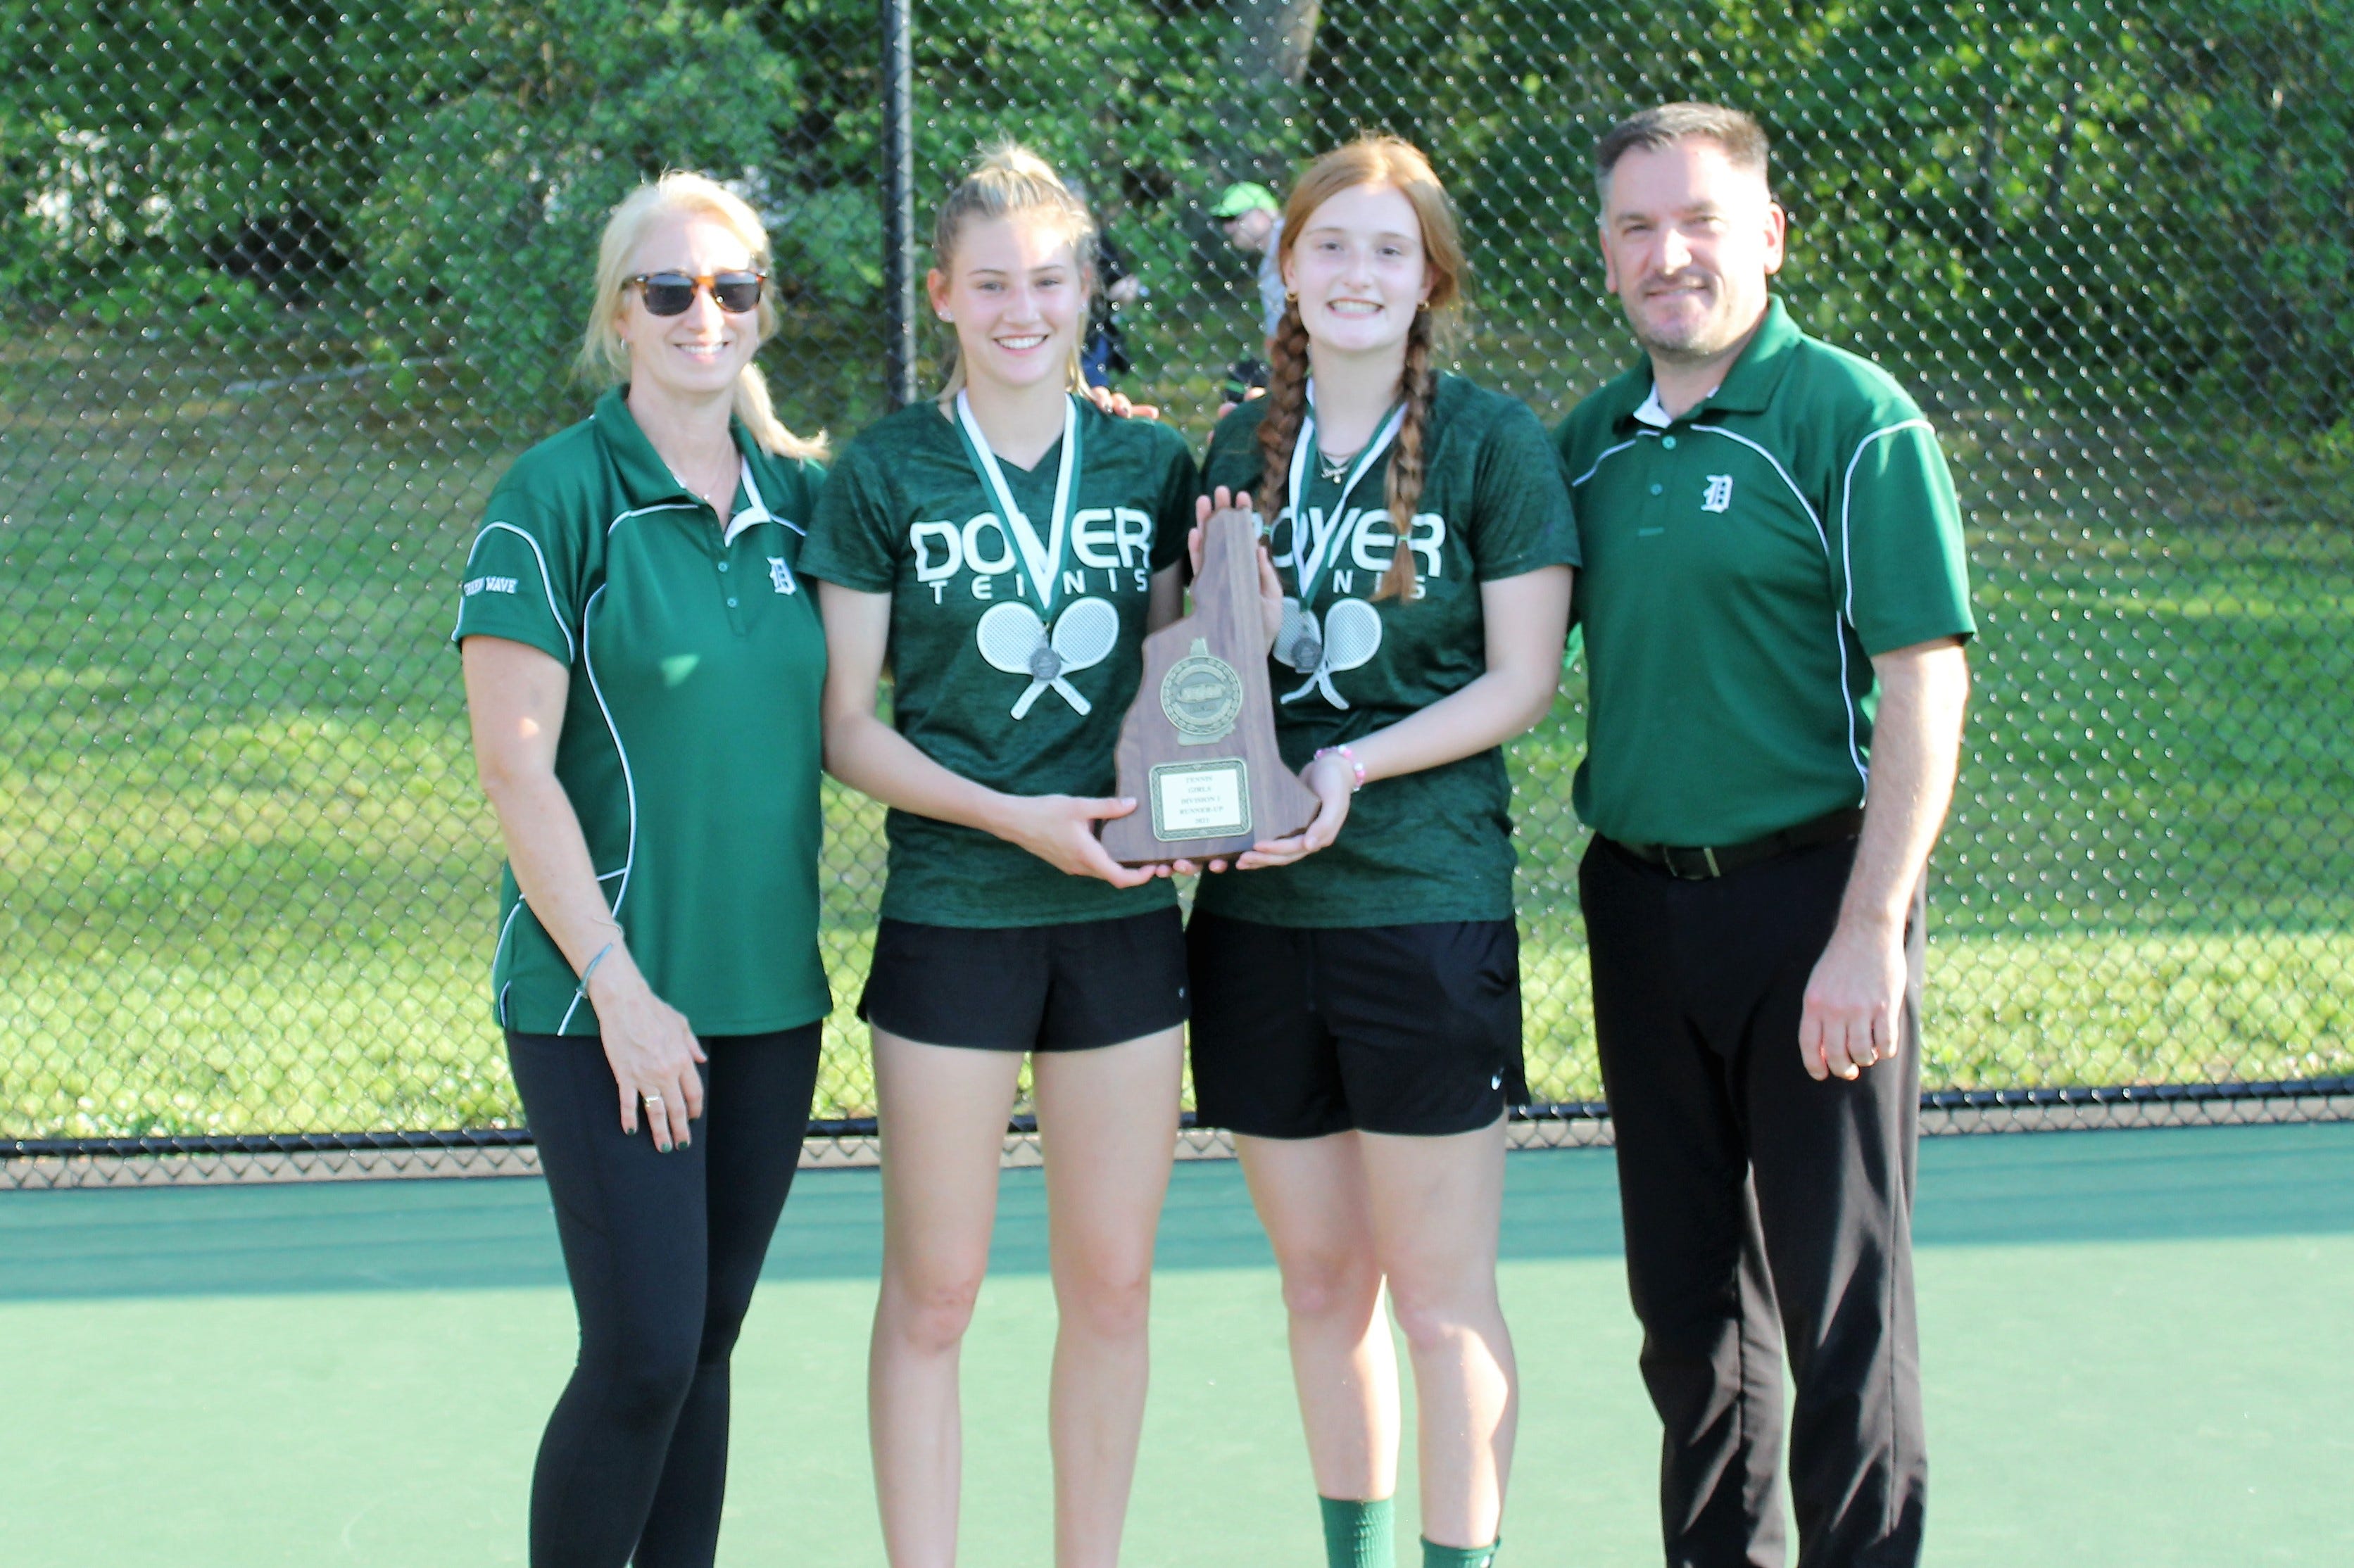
<point>1655,414</point>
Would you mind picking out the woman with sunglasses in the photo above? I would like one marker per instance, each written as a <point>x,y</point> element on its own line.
<point>644,669</point>
<point>1004,547</point>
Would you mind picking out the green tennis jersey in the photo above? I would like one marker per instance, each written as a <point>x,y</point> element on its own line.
<point>691,744</point>
<point>1744,564</point>
<point>1428,846</point>
<point>1011,675</point>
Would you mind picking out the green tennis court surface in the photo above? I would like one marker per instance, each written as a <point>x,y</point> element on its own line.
<point>2137,1347</point>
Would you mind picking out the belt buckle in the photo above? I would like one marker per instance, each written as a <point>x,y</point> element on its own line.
<point>1701,859</point>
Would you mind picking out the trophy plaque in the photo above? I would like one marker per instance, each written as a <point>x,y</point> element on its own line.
<point>1197,750</point>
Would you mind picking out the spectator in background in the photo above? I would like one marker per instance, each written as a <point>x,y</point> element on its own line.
<point>1252,220</point>
<point>1254,224</point>
<point>1104,353</point>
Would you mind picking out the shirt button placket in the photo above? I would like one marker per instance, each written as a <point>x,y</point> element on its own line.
<point>734,621</point>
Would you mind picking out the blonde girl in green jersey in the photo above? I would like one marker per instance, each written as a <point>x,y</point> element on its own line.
<point>1003,548</point>
<point>1357,1017</point>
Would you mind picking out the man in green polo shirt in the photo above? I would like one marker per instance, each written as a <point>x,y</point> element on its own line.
<point>1773,606</point>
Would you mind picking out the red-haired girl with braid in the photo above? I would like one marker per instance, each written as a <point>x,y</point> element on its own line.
<point>1356,997</point>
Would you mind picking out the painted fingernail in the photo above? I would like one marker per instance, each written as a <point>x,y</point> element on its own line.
<point>684,1142</point>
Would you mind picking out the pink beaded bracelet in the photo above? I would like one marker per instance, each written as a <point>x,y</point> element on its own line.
<point>1347,756</point>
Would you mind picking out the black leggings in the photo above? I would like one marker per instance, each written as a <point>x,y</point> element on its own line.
<point>663,1251</point>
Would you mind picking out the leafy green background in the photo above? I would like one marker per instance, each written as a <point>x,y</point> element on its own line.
<point>286,284</point>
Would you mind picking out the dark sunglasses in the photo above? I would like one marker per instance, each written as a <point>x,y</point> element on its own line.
<point>673,293</point>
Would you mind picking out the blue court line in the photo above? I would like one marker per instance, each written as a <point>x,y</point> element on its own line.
<point>2009,1190</point>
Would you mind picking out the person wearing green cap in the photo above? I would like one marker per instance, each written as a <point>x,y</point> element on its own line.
<point>1252,220</point>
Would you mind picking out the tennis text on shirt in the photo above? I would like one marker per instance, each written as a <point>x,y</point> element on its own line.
<point>1437,844</point>
<point>1014,654</point>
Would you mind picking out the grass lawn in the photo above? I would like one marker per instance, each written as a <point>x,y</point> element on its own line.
<point>247,882</point>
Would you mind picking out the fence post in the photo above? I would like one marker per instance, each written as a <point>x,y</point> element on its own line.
<point>898,203</point>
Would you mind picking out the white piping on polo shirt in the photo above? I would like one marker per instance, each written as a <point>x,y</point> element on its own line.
<point>629,781</point>
<point>589,664</point>
<point>1654,414</point>
<point>1606,454</point>
<point>546,586</point>
<point>505,927</point>
<point>1846,500</point>
<point>1847,699</point>
<point>754,514</point>
<point>642,511</point>
<point>752,517</point>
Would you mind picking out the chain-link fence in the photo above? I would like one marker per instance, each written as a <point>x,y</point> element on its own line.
<point>287,284</point>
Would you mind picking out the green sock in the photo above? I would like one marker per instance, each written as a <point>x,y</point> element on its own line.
<point>1357,1534</point>
<point>1435,1556</point>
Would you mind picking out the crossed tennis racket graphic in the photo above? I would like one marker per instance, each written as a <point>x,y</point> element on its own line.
<point>1347,638</point>
<point>1013,639</point>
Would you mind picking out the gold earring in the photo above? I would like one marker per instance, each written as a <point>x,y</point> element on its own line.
<point>1290,296</point>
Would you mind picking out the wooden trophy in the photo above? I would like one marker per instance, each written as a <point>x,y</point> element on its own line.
<point>1198,751</point>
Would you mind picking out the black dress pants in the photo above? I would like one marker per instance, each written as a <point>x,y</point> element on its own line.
<point>1765,1213</point>
<point>663,1251</point>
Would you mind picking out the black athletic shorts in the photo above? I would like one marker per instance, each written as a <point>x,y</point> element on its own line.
<point>1028,988</point>
<point>1396,1029</point>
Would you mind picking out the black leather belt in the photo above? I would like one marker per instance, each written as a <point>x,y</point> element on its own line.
<point>1699,864</point>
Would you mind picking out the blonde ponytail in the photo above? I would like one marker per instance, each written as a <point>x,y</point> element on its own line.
<point>1012,181</point>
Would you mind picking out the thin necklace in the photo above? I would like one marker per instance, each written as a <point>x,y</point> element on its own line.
<point>1331,467</point>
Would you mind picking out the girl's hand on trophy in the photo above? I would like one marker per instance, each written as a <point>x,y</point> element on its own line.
<point>1270,586</point>
<point>1061,831</point>
<point>1332,781</point>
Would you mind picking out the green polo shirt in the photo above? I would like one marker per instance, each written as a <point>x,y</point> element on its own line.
<point>1744,564</point>
<point>905,514</point>
<point>1428,846</point>
<point>691,742</point>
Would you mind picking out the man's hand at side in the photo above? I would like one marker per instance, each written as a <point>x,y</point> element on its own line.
<point>1855,998</point>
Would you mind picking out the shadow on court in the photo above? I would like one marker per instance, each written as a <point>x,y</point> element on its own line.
<point>2151,1185</point>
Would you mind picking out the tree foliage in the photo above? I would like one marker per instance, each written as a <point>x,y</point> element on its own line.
<point>2122,188</point>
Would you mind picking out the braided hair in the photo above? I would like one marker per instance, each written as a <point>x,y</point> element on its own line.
<point>1368,161</point>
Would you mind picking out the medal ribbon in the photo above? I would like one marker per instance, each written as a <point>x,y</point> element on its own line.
<point>1042,559</point>
<point>1309,562</point>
